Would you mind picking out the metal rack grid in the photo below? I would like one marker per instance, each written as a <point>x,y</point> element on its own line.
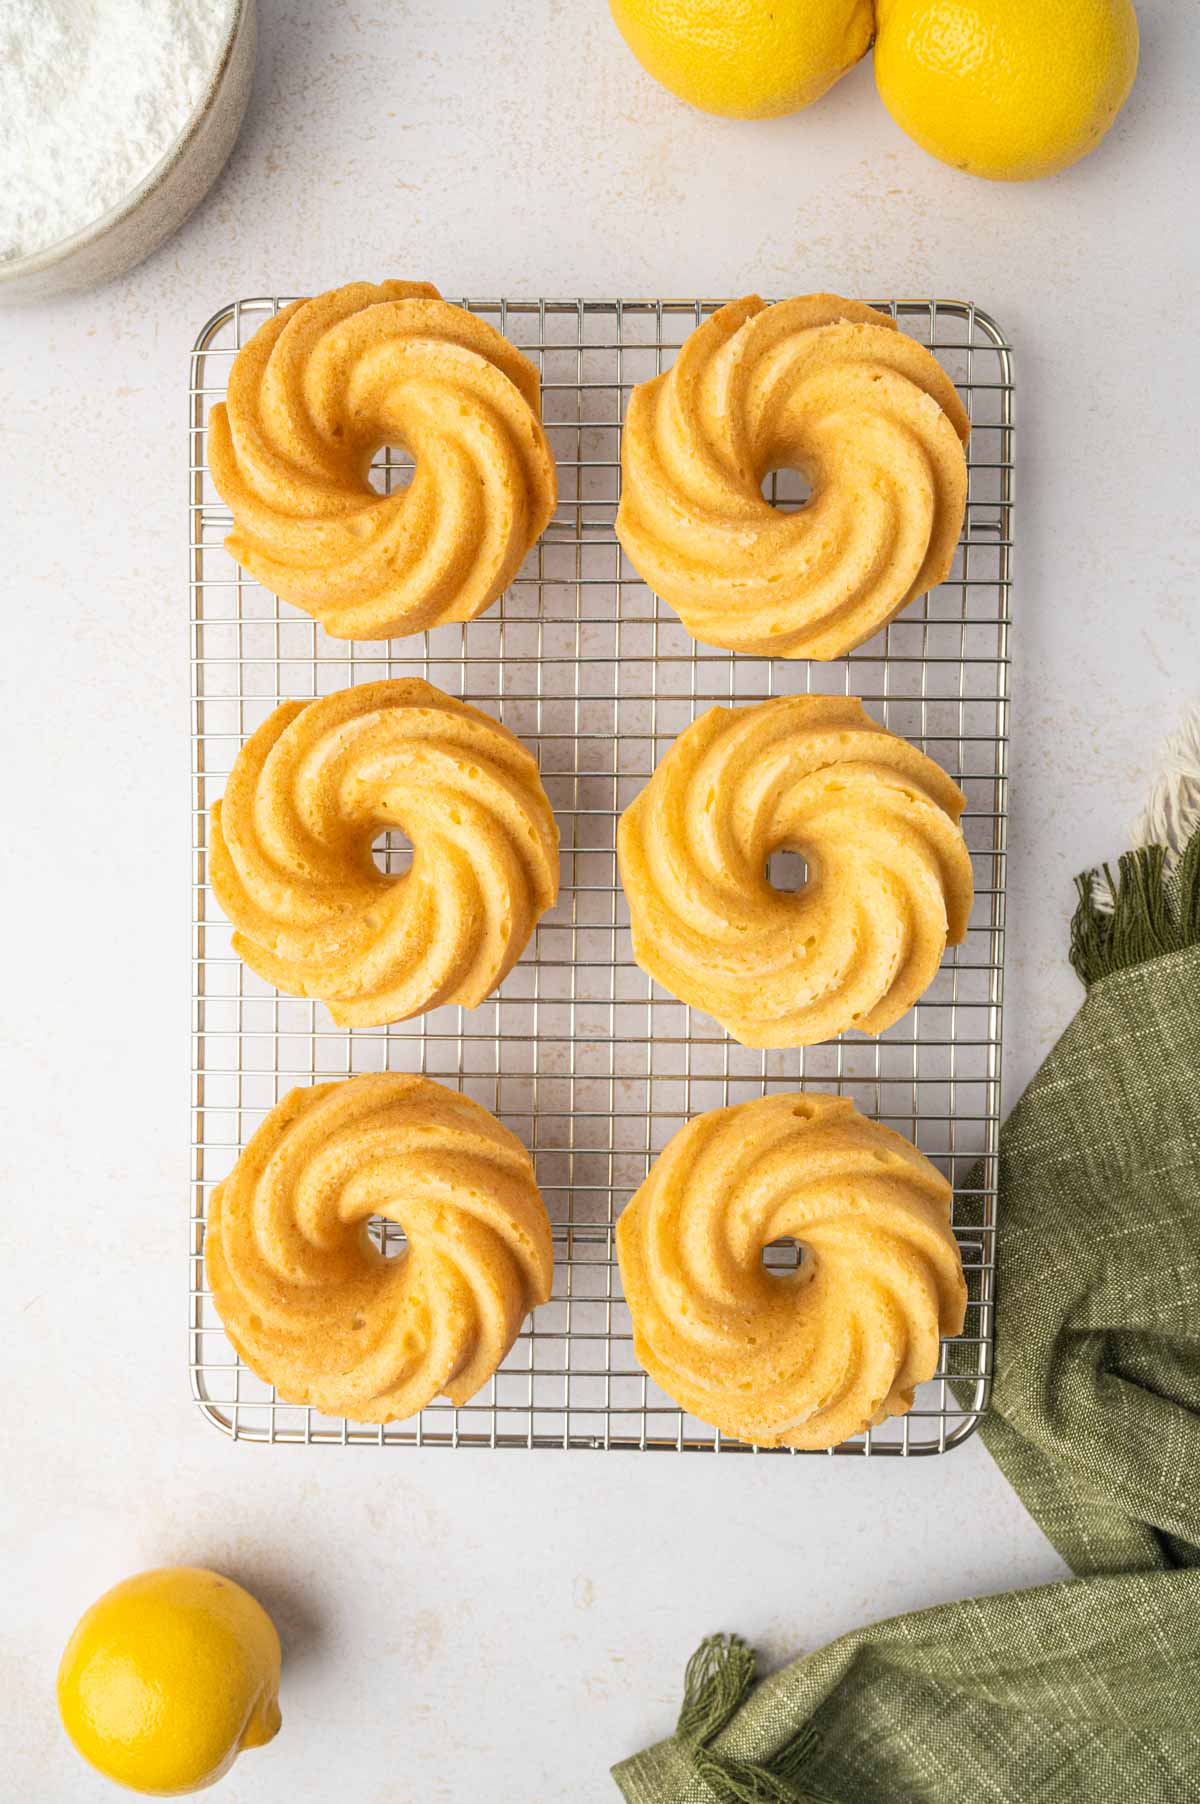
<point>578,1052</point>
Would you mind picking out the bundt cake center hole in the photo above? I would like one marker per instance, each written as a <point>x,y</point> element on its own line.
<point>389,1237</point>
<point>392,852</point>
<point>787,870</point>
<point>391,470</point>
<point>782,1258</point>
<point>787,489</point>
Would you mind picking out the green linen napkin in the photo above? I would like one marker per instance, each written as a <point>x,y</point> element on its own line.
<point>1087,1691</point>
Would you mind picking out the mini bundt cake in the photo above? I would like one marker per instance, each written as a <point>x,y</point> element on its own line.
<point>805,1357</point>
<point>312,397</point>
<point>308,1300</point>
<point>818,384</point>
<point>888,872</point>
<point>291,864</point>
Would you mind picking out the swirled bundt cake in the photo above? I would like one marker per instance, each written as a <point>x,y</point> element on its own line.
<point>801,1358</point>
<point>310,1303</point>
<point>291,863</point>
<point>818,384</point>
<point>888,872</point>
<point>312,397</point>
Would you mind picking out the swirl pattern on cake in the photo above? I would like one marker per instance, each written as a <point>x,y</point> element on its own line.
<point>888,872</point>
<point>312,397</point>
<point>825,386</point>
<point>315,1308</point>
<point>290,854</point>
<point>798,1358</point>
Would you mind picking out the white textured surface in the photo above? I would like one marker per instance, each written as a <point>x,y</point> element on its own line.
<point>462,1626</point>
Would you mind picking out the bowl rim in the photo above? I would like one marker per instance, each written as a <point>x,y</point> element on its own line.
<point>62,248</point>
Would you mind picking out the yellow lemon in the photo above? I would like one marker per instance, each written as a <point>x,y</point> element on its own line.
<point>746,58</point>
<point>168,1677</point>
<point>1008,89</point>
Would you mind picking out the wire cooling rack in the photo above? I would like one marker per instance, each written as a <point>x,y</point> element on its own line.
<point>592,1065</point>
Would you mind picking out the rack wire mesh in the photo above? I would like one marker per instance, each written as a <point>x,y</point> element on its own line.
<point>578,1052</point>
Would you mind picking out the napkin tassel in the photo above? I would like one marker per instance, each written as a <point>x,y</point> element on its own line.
<point>1153,905</point>
<point>1151,913</point>
<point>718,1680</point>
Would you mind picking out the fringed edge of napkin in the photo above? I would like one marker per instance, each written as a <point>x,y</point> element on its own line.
<point>1151,913</point>
<point>1152,906</point>
<point>719,1678</point>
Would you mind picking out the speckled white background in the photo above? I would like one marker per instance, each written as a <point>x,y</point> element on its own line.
<point>505,1626</point>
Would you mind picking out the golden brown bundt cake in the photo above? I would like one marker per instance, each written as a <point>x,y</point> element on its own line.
<point>312,397</point>
<point>312,1305</point>
<point>889,875</point>
<point>800,1358</point>
<point>291,864</point>
<point>818,384</point>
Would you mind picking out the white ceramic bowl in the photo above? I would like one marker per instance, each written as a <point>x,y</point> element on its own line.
<point>162,201</point>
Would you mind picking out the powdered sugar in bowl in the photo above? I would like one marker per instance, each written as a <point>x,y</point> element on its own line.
<point>115,120</point>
